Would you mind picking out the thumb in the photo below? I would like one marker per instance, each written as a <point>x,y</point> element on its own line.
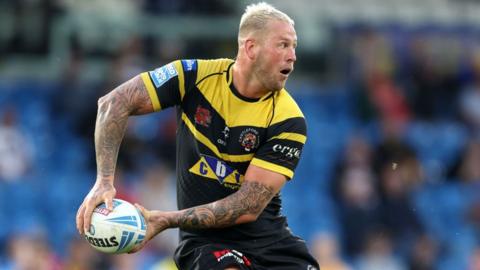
<point>141,208</point>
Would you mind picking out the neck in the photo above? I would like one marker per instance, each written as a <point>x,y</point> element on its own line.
<point>246,82</point>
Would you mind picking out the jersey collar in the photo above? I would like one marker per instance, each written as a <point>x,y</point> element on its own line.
<point>235,91</point>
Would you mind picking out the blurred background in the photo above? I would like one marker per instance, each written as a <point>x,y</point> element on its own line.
<point>390,175</point>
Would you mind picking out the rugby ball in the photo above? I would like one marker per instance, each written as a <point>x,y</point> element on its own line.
<point>118,231</point>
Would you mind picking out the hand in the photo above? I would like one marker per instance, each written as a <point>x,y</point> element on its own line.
<point>102,191</point>
<point>157,221</point>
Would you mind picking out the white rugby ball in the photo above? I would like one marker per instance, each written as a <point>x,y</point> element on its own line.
<point>118,231</point>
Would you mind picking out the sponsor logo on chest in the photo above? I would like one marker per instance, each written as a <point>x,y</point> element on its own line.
<point>216,169</point>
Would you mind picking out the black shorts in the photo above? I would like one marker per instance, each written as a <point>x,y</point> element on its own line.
<point>287,254</point>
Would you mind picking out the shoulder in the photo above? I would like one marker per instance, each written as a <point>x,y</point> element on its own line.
<point>212,66</point>
<point>286,108</point>
<point>201,67</point>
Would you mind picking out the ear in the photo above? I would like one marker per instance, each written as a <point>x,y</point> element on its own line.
<point>251,47</point>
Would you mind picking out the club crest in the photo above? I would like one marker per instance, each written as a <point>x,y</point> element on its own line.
<point>249,139</point>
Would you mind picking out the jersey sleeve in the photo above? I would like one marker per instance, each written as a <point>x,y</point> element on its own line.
<point>167,85</point>
<point>281,152</point>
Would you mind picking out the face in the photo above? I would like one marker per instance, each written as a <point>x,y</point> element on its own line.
<point>276,55</point>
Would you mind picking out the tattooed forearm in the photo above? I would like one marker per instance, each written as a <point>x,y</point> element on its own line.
<point>249,201</point>
<point>113,111</point>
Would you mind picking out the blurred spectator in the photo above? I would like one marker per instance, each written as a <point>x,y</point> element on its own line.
<point>385,98</point>
<point>358,209</point>
<point>423,254</point>
<point>124,183</point>
<point>399,174</point>
<point>469,98</point>
<point>128,62</point>
<point>378,253</point>
<point>378,96</point>
<point>150,137</point>
<point>133,147</point>
<point>165,264</point>
<point>16,152</point>
<point>125,261</point>
<point>357,154</point>
<point>325,248</point>
<point>76,98</point>
<point>157,191</point>
<point>31,252</point>
<point>396,208</point>
<point>81,256</point>
<point>433,75</point>
<point>467,168</point>
<point>474,263</point>
<point>392,151</point>
<point>371,52</point>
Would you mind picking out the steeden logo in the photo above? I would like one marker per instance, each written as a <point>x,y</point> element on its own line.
<point>101,210</point>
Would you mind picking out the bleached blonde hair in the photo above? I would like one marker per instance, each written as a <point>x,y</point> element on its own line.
<point>256,17</point>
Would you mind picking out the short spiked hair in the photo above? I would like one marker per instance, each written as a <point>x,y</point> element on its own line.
<point>256,17</point>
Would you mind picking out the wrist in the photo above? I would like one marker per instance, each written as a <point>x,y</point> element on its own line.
<point>170,219</point>
<point>104,179</point>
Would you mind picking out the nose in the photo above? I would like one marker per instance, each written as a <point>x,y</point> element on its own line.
<point>292,56</point>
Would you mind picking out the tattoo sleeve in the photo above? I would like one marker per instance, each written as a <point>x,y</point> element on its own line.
<point>113,111</point>
<point>249,200</point>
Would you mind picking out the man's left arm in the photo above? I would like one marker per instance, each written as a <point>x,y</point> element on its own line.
<point>245,205</point>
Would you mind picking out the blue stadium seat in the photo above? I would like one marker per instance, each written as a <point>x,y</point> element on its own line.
<point>438,145</point>
<point>443,208</point>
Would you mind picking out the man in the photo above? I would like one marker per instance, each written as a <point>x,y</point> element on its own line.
<point>239,139</point>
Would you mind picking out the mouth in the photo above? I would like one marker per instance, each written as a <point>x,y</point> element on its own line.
<point>286,71</point>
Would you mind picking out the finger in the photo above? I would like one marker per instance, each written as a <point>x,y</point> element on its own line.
<point>79,218</point>
<point>109,203</point>
<point>87,216</point>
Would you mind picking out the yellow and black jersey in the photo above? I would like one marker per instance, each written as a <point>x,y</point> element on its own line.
<point>220,133</point>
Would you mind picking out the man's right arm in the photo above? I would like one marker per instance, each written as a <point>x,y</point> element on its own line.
<point>130,98</point>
